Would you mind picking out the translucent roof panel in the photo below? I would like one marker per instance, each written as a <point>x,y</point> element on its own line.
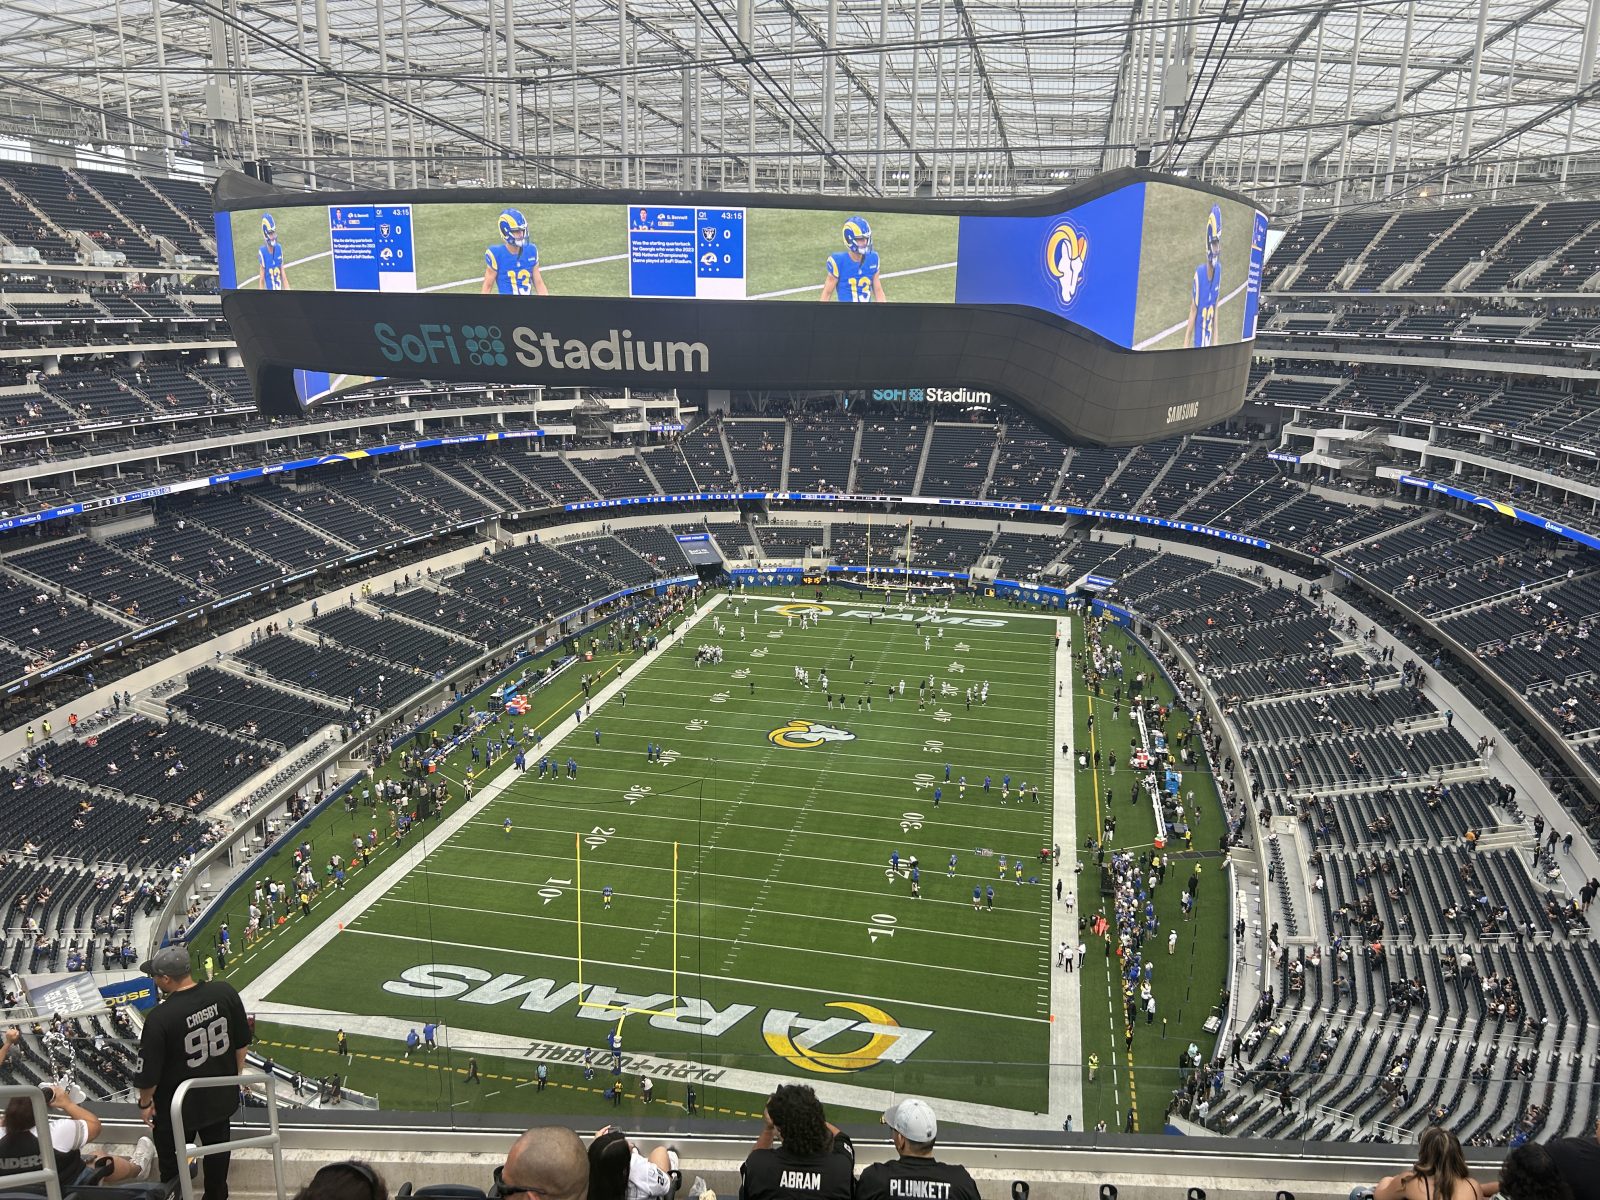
<point>1346,102</point>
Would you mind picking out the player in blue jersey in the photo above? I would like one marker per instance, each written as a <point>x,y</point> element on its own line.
<point>853,272</point>
<point>1205,295</point>
<point>273,277</point>
<point>512,267</point>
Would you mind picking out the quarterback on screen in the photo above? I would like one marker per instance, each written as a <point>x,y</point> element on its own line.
<point>852,273</point>
<point>511,267</point>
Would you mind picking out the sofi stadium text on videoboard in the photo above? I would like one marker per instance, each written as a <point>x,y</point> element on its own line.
<point>1148,266</point>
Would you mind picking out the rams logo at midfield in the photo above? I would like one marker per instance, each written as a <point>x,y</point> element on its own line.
<point>1065,253</point>
<point>798,608</point>
<point>800,734</point>
<point>885,1039</point>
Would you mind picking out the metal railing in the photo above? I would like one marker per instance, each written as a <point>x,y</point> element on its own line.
<point>46,1174</point>
<point>272,1139</point>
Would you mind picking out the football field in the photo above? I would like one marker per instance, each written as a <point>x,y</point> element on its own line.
<point>756,925</point>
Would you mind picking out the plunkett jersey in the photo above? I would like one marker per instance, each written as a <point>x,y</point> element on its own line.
<point>271,266</point>
<point>1206,293</point>
<point>513,269</point>
<point>855,278</point>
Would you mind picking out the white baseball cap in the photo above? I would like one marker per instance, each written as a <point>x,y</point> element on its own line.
<point>913,1120</point>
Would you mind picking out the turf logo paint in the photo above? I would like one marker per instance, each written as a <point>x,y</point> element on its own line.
<point>798,608</point>
<point>801,734</point>
<point>885,1039</point>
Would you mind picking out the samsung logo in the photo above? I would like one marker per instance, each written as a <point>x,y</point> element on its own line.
<point>1183,412</point>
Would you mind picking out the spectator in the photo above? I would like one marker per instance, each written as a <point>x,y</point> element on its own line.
<point>170,1053</point>
<point>548,1162</point>
<point>617,1171</point>
<point>815,1160</point>
<point>1440,1173</point>
<point>915,1130</point>
<point>1578,1161</point>
<point>1530,1173</point>
<point>70,1135</point>
<point>348,1180</point>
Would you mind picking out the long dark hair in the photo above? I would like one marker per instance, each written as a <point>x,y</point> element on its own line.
<point>796,1111</point>
<point>19,1115</point>
<point>1440,1162</point>
<point>609,1160</point>
<point>1529,1173</point>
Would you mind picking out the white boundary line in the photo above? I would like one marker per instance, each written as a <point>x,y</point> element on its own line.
<point>577,262</point>
<point>1066,1029</point>
<point>254,279</point>
<point>754,1083</point>
<point>259,988</point>
<point>1154,338</point>
<point>817,287</point>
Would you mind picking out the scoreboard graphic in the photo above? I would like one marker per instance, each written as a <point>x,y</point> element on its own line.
<point>686,253</point>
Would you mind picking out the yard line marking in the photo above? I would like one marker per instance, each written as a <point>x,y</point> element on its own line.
<point>667,971</point>
<point>706,937</point>
<point>439,835</point>
<point>893,818</point>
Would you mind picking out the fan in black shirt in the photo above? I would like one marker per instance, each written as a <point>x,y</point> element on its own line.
<point>916,1174</point>
<point>814,1161</point>
<point>199,1031</point>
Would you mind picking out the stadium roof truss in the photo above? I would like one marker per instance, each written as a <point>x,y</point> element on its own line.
<point>1337,101</point>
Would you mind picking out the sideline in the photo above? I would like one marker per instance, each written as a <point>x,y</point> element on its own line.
<point>1066,993</point>
<point>435,836</point>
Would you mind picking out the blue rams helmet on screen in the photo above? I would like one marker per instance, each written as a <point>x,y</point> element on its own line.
<point>1214,234</point>
<point>513,227</point>
<point>857,235</point>
<point>269,228</point>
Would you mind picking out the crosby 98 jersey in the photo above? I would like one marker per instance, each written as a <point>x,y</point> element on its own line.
<point>513,269</point>
<point>1207,285</point>
<point>271,266</point>
<point>855,278</point>
<point>194,1034</point>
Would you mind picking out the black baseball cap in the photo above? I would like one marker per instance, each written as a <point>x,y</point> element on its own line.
<point>171,961</point>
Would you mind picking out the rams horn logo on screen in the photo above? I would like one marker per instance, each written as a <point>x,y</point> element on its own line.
<point>801,734</point>
<point>887,1040</point>
<point>798,608</point>
<point>1065,254</point>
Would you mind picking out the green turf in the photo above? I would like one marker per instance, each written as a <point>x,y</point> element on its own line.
<point>788,250</point>
<point>743,941</point>
<point>1174,245</point>
<point>783,867</point>
<point>303,234</point>
<point>1188,984</point>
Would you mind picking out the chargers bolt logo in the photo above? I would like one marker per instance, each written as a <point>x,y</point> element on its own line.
<point>484,345</point>
<point>1065,254</point>
<point>801,734</point>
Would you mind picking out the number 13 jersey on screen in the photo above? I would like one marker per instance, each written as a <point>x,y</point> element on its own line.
<point>853,272</point>
<point>511,267</point>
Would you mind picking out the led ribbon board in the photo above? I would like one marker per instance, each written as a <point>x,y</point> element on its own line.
<point>1118,311</point>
